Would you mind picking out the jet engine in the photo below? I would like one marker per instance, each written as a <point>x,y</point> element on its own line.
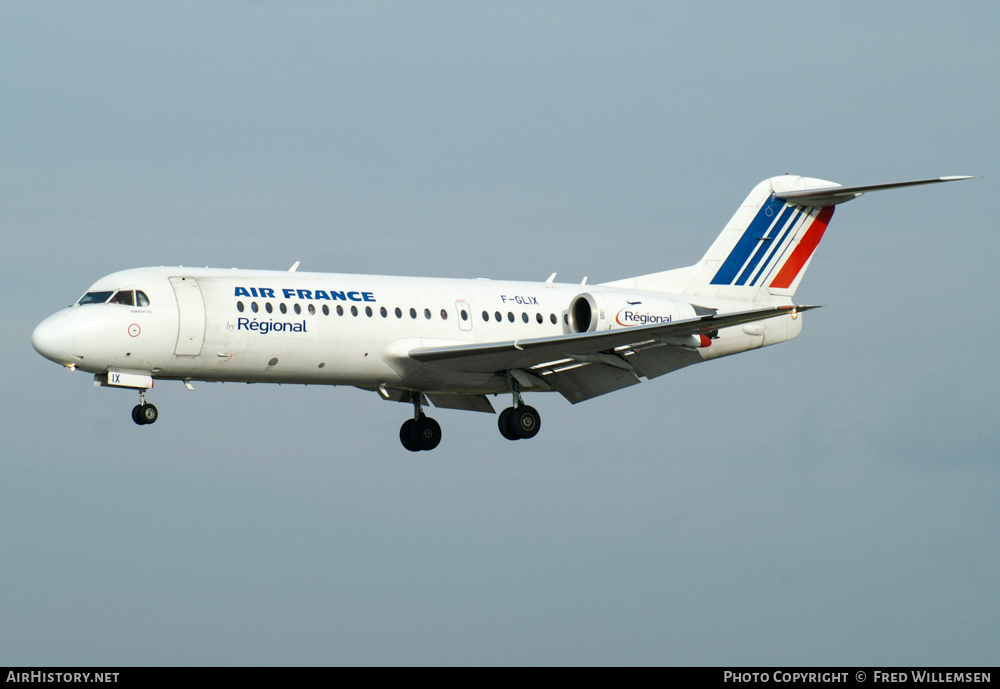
<point>597,311</point>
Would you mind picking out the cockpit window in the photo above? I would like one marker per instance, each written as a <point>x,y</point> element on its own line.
<point>95,297</point>
<point>123,297</point>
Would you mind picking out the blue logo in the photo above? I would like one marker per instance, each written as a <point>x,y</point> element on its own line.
<point>265,327</point>
<point>305,294</point>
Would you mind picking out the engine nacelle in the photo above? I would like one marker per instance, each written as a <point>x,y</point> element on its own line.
<point>597,311</point>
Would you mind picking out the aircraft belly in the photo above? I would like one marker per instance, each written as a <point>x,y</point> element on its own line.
<point>732,341</point>
<point>419,375</point>
<point>288,359</point>
<point>441,379</point>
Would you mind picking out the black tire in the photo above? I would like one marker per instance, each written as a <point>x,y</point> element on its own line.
<point>406,436</point>
<point>137,415</point>
<point>148,413</point>
<point>525,422</point>
<point>503,423</point>
<point>426,433</point>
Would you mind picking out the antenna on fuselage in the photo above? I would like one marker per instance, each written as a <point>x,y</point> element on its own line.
<point>294,267</point>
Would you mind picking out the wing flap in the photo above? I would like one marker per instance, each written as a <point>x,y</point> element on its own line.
<point>580,383</point>
<point>654,362</point>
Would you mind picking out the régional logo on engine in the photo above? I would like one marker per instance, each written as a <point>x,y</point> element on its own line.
<point>629,316</point>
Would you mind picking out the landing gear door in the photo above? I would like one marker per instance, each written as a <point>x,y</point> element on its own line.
<point>190,316</point>
<point>464,314</point>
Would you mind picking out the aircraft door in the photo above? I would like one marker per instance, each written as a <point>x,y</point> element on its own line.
<point>464,313</point>
<point>190,316</point>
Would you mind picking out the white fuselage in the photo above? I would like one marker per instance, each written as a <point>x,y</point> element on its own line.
<point>340,329</point>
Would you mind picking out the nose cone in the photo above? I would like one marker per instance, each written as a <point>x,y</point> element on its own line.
<point>55,338</point>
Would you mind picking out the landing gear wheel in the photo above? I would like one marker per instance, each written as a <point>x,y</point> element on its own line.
<point>406,436</point>
<point>148,413</point>
<point>426,433</point>
<point>518,423</point>
<point>524,422</point>
<point>420,432</point>
<point>137,415</point>
<point>503,423</point>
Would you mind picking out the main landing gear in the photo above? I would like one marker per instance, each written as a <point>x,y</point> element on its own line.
<point>421,432</point>
<point>517,422</point>
<point>520,421</point>
<point>144,412</point>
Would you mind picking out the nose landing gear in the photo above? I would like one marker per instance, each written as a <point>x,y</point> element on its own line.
<point>144,412</point>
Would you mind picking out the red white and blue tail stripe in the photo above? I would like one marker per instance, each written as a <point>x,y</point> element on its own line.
<point>775,247</point>
<point>768,243</point>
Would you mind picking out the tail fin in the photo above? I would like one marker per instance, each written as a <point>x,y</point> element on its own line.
<point>767,246</point>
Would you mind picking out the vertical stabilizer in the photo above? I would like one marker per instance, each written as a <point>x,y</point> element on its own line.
<point>767,246</point>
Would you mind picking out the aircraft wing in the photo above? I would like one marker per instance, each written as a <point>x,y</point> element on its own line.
<point>584,365</point>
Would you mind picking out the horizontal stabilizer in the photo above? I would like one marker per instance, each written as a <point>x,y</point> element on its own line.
<point>831,196</point>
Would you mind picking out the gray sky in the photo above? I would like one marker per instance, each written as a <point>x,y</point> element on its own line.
<point>832,500</point>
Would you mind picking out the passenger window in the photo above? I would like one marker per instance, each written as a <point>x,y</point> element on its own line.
<point>538,317</point>
<point>141,299</point>
<point>268,307</point>
<point>298,309</point>
<point>486,317</point>
<point>326,310</point>
<point>552,317</point>
<point>413,313</point>
<point>498,316</point>
<point>524,317</point>
<point>239,306</point>
<point>283,308</point>
<point>399,312</point>
<point>510,316</point>
<point>340,310</point>
<point>444,314</point>
<point>354,310</point>
<point>368,311</point>
<point>253,306</point>
<point>384,313</point>
<point>427,314</point>
<point>465,315</point>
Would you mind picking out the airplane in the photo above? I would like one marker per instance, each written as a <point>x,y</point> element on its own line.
<point>454,342</point>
